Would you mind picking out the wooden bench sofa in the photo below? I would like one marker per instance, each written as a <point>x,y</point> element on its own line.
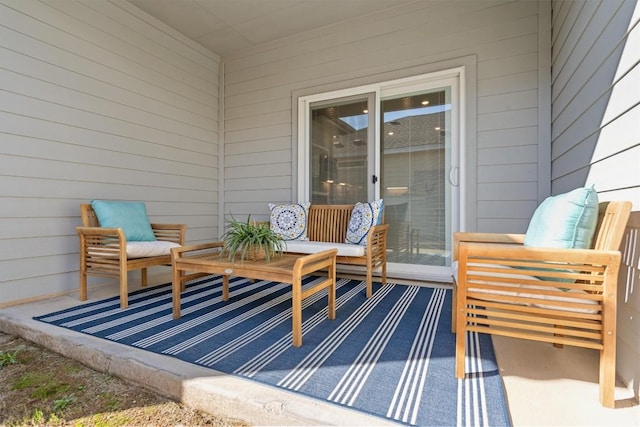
<point>560,296</point>
<point>103,252</point>
<point>327,228</point>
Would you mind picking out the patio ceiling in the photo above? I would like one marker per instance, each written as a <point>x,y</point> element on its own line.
<point>224,26</point>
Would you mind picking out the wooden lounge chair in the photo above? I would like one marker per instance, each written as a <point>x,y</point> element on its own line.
<point>103,252</point>
<point>560,296</point>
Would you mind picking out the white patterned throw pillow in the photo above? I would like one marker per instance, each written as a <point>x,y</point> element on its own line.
<point>363,217</point>
<point>289,221</point>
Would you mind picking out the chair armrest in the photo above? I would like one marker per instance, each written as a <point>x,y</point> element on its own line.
<point>104,232</point>
<point>488,237</point>
<point>170,232</point>
<point>579,269</point>
<point>458,237</point>
<point>105,242</point>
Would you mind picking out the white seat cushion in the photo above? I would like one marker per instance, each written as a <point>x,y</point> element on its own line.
<point>309,247</point>
<point>149,249</point>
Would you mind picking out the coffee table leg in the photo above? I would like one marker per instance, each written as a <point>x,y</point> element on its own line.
<point>225,288</point>
<point>296,305</point>
<point>175,289</point>
<point>331,303</point>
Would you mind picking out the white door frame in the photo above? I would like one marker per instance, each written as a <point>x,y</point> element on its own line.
<point>454,77</point>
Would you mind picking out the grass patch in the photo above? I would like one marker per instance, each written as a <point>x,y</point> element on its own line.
<point>8,358</point>
<point>42,388</point>
<point>42,384</point>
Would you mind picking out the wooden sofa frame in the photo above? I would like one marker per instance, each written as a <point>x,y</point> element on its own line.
<point>328,223</point>
<point>498,291</point>
<point>103,252</point>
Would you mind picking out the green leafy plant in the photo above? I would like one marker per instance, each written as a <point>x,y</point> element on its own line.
<point>248,238</point>
<point>7,358</point>
<point>61,404</point>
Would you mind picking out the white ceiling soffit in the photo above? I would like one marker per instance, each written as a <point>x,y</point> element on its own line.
<point>224,26</point>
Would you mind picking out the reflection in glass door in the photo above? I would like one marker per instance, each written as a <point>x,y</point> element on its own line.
<point>399,141</point>
<point>340,144</point>
<point>415,164</point>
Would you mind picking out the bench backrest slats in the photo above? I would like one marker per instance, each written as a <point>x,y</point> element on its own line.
<point>328,223</point>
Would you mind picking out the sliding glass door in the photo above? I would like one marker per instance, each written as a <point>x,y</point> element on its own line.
<point>397,141</point>
<point>416,155</point>
<point>341,149</point>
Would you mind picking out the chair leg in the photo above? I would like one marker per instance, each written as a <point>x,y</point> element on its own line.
<point>557,344</point>
<point>383,277</point>
<point>608,375</point>
<point>83,283</point>
<point>143,277</point>
<point>124,290</point>
<point>454,297</point>
<point>83,269</point>
<point>460,352</point>
<point>369,283</point>
<point>183,283</point>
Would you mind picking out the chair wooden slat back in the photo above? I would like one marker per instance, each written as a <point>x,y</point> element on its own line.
<point>612,221</point>
<point>88,216</point>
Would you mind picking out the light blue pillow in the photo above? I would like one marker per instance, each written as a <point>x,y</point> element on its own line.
<point>363,217</point>
<point>130,216</point>
<point>564,221</point>
<point>289,221</point>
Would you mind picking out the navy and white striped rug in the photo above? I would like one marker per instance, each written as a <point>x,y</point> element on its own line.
<point>391,355</point>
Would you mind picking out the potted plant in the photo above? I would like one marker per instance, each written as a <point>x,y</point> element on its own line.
<point>252,240</point>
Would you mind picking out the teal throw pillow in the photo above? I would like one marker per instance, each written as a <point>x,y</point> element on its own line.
<point>565,221</point>
<point>130,216</point>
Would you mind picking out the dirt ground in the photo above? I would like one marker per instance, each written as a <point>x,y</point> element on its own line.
<point>42,388</point>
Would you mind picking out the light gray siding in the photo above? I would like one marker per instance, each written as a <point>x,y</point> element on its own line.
<point>501,36</point>
<point>97,101</point>
<point>596,131</point>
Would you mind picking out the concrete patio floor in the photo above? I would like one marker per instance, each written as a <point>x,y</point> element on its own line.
<point>544,385</point>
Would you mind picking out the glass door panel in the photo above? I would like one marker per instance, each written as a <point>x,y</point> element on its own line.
<point>340,141</point>
<point>415,165</point>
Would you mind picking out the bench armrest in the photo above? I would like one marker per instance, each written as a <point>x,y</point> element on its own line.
<point>377,241</point>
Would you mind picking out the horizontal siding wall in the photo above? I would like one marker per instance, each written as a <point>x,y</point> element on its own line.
<point>97,101</point>
<point>596,131</point>
<point>502,35</point>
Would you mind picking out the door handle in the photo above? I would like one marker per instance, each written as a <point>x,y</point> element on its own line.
<point>453,175</point>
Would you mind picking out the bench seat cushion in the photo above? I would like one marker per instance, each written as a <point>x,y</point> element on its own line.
<point>310,247</point>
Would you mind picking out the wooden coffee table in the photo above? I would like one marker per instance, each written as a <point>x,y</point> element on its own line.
<point>190,262</point>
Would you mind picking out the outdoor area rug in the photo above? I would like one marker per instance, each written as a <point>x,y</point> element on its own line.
<point>391,355</point>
